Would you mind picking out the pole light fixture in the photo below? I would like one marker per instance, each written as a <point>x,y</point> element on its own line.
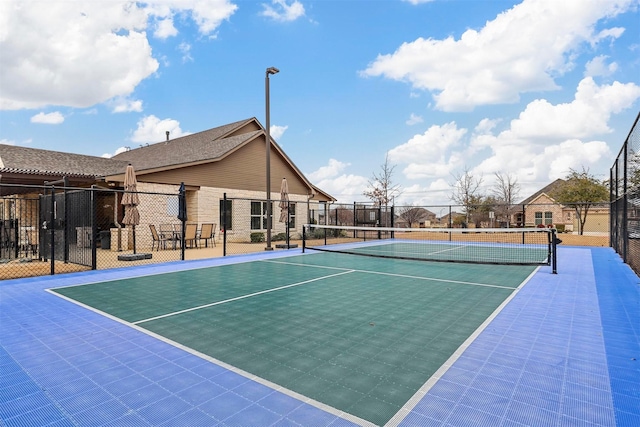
<point>270,70</point>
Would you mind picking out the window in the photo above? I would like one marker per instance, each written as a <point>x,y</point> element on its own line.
<point>538,218</point>
<point>548,218</point>
<point>292,215</point>
<point>259,215</point>
<point>225,215</point>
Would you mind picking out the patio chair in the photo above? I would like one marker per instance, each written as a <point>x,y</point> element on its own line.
<point>158,238</point>
<point>191,235</point>
<point>28,242</point>
<point>208,232</point>
<point>170,233</point>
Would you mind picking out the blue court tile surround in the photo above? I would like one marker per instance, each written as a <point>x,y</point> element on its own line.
<point>564,351</point>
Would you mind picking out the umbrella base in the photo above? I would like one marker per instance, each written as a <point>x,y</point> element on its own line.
<point>285,246</point>
<point>133,257</point>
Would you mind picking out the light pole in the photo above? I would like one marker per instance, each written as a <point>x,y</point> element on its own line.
<point>270,70</point>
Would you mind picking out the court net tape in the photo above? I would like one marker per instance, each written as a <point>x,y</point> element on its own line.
<point>517,246</point>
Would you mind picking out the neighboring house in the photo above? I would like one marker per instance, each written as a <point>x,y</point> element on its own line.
<point>415,217</point>
<point>453,219</point>
<point>540,209</point>
<point>227,160</point>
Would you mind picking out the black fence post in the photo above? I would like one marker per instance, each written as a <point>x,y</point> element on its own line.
<point>52,219</point>
<point>393,222</point>
<point>182,216</point>
<point>355,218</point>
<point>554,252</point>
<point>224,225</point>
<point>94,228</point>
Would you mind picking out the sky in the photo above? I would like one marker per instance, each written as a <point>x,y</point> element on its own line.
<point>529,89</point>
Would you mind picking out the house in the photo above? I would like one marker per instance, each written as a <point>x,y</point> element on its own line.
<point>228,160</point>
<point>541,209</point>
<point>412,217</point>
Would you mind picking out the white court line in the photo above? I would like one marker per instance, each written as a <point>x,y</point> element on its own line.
<point>240,297</point>
<point>404,276</point>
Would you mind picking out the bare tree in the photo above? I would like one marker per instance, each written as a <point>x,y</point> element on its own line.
<point>466,191</point>
<point>411,214</point>
<point>381,189</point>
<point>505,192</point>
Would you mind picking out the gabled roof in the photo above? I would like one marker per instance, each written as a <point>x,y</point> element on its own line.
<point>548,190</point>
<point>33,161</point>
<point>21,165</point>
<point>194,148</point>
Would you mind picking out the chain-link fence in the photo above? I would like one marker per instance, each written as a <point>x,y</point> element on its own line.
<point>581,224</point>
<point>244,224</point>
<point>56,229</point>
<point>625,199</point>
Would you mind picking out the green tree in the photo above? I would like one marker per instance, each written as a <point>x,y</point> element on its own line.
<point>581,191</point>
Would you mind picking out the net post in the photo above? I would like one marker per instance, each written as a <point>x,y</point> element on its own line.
<point>554,252</point>
<point>304,237</point>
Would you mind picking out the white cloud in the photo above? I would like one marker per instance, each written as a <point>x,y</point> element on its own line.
<point>548,140</point>
<point>573,154</point>
<point>414,119</point>
<point>7,142</point>
<point>151,129</point>
<point>124,105</point>
<point>165,29</point>
<point>185,49</point>
<point>429,155</point>
<point>333,169</point>
<point>81,53</point>
<point>118,151</point>
<point>587,115</point>
<point>522,50</point>
<point>598,67</point>
<point>416,2</point>
<point>54,118</point>
<point>542,144</point>
<point>435,193</point>
<point>281,11</point>
<point>344,187</point>
<point>276,132</point>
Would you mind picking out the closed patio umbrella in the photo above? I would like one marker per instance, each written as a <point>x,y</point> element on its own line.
<point>130,200</point>
<point>284,201</point>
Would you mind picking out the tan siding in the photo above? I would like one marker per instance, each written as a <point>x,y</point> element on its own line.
<point>249,127</point>
<point>245,169</point>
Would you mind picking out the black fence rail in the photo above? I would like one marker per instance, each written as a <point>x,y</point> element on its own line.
<point>625,199</point>
<point>245,229</point>
<point>55,228</point>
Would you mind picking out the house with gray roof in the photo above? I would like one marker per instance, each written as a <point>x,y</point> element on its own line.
<point>224,162</point>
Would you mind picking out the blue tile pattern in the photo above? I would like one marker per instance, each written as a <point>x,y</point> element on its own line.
<point>564,351</point>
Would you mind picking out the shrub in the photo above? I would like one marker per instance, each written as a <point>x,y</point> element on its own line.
<point>279,237</point>
<point>257,237</point>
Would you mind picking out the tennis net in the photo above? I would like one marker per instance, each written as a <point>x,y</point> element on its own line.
<point>518,246</point>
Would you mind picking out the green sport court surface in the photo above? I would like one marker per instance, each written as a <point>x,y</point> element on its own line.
<point>360,335</point>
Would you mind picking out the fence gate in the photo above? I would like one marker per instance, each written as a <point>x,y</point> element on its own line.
<point>66,220</point>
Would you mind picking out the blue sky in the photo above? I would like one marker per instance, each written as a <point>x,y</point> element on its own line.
<point>531,89</point>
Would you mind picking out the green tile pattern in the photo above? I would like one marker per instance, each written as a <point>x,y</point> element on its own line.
<point>363,342</point>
